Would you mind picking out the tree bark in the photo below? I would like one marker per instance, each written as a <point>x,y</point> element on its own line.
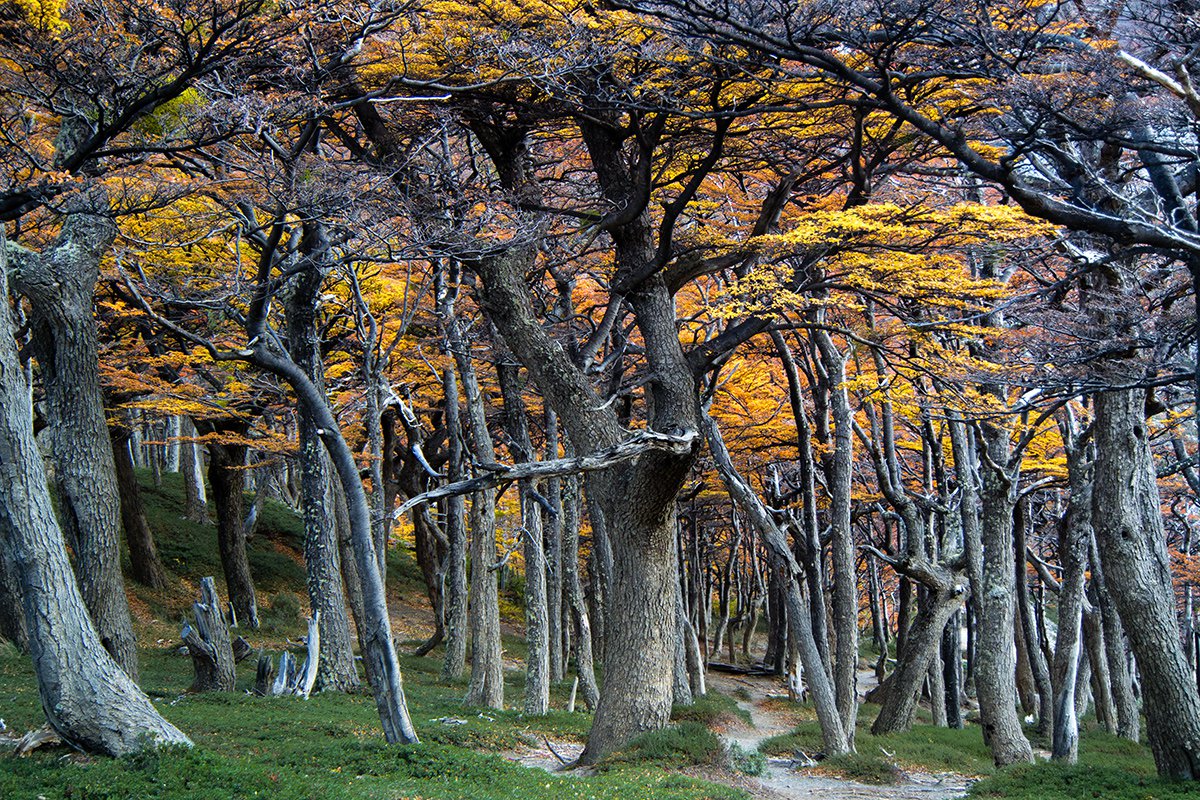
<point>88,699</point>
<point>1072,555</point>
<point>147,567</point>
<point>845,575</point>
<point>227,477</point>
<point>537,623</point>
<point>322,559</point>
<point>486,687</point>
<point>584,662</point>
<point>60,284</point>
<point>455,610</point>
<point>191,467</point>
<point>1129,533</point>
<point>12,611</point>
<point>1027,627</point>
<point>995,661</point>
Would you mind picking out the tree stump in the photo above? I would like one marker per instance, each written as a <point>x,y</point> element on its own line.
<point>292,678</point>
<point>208,642</point>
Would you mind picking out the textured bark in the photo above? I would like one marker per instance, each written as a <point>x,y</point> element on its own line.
<point>842,550</point>
<point>209,644</point>
<point>537,623</point>
<point>455,611</point>
<point>1129,533</point>
<point>1073,556</point>
<point>584,662</point>
<point>1110,655</point>
<point>995,660</point>
<point>88,699</point>
<point>146,566</point>
<point>12,612</point>
<point>336,670</point>
<point>636,498</point>
<point>227,477</point>
<point>924,639</point>
<point>552,528</point>
<point>1027,628</point>
<point>322,558</point>
<point>486,687</point>
<point>60,284</point>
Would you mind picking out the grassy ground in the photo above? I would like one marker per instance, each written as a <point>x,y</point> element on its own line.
<point>329,746</point>
<point>1109,767</point>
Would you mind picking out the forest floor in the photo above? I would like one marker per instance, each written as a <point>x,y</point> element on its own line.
<point>744,740</point>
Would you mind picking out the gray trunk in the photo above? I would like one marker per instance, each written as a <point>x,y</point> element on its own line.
<point>584,664</point>
<point>191,467</point>
<point>145,565</point>
<point>537,623</point>
<point>995,657</point>
<point>88,699</point>
<point>1129,533</point>
<point>455,611</point>
<point>837,741</point>
<point>1073,556</point>
<point>842,550</point>
<point>552,527</point>
<point>60,284</point>
<point>322,559</point>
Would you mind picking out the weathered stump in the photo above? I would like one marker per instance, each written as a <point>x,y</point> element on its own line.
<point>208,642</point>
<point>291,678</point>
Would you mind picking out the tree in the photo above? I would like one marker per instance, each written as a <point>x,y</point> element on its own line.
<point>87,697</point>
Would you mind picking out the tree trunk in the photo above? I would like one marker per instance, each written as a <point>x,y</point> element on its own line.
<point>924,639</point>
<point>845,575</point>
<point>1073,556</point>
<point>227,476</point>
<point>455,610</point>
<point>537,623</point>
<point>1129,533</point>
<point>552,527</point>
<point>584,665</point>
<point>88,699</point>
<point>191,467</point>
<point>1027,628</point>
<point>837,740</point>
<point>486,687</point>
<point>322,558</point>
<point>60,284</point>
<point>208,642</point>
<point>995,661</point>
<point>336,670</point>
<point>146,566</point>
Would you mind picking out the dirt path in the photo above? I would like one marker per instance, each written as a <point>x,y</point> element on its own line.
<point>783,779</point>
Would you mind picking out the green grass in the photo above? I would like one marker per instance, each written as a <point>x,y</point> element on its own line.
<point>329,746</point>
<point>1109,768</point>
<point>713,709</point>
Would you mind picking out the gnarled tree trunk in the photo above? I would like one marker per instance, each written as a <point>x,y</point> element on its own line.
<point>60,284</point>
<point>88,699</point>
<point>1128,524</point>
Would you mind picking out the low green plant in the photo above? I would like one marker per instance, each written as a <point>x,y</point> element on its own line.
<point>748,762</point>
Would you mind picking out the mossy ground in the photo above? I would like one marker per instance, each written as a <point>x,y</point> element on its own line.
<point>330,746</point>
<point>327,747</point>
